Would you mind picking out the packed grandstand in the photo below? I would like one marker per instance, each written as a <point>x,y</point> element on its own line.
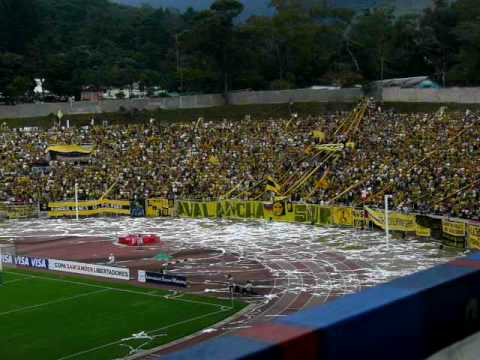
<point>429,161</point>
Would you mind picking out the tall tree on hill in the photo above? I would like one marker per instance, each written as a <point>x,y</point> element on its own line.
<point>212,37</point>
<point>224,12</point>
<point>466,71</point>
<point>438,42</point>
<point>372,35</point>
<point>404,49</point>
<point>10,66</point>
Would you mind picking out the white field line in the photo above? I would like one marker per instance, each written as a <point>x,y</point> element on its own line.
<point>117,289</point>
<point>53,302</point>
<point>150,332</point>
<point>15,280</point>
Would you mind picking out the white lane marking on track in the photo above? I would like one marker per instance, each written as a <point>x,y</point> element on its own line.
<point>297,275</point>
<point>31,307</point>
<point>310,265</point>
<point>118,289</point>
<point>150,332</point>
<point>268,306</point>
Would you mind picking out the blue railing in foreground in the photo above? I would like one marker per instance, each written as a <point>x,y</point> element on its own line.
<point>408,318</point>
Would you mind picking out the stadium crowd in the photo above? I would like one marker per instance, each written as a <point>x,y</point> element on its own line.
<point>430,162</point>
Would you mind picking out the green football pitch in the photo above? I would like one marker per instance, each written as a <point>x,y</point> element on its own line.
<point>47,317</point>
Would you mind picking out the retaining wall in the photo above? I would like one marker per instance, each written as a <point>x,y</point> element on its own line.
<point>447,95</point>
<point>298,95</point>
<point>183,102</point>
<point>351,95</point>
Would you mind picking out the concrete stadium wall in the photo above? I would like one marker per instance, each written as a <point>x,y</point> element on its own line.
<point>108,106</point>
<point>447,95</point>
<point>409,318</point>
<point>298,95</point>
<point>183,102</point>
<point>186,102</point>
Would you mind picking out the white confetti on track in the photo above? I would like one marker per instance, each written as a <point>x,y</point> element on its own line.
<point>309,265</point>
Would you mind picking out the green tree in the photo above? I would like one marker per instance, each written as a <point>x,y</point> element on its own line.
<point>466,71</point>
<point>223,14</point>
<point>404,49</point>
<point>438,43</point>
<point>372,35</point>
<point>19,87</point>
<point>210,42</point>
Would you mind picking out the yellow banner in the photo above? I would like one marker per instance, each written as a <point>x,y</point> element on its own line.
<point>313,214</point>
<point>359,219</point>
<point>342,216</point>
<point>89,208</point>
<point>474,236</point>
<point>228,209</point>
<point>194,209</point>
<point>69,149</point>
<point>453,228</point>
<point>330,147</point>
<point>423,231</point>
<point>396,221</point>
<point>238,209</point>
<point>280,210</point>
<point>159,207</point>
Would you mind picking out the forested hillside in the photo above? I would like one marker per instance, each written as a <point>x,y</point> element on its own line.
<point>72,43</point>
<point>263,8</point>
<point>251,7</point>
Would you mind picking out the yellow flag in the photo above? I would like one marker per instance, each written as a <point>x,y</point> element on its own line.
<point>319,134</point>
<point>323,183</point>
<point>309,150</point>
<point>272,185</point>
<point>213,160</point>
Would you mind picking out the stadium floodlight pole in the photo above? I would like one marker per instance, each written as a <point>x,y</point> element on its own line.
<point>76,200</point>
<point>387,231</point>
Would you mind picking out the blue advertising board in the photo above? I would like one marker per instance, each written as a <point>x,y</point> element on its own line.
<point>166,279</point>
<point>32,262</point>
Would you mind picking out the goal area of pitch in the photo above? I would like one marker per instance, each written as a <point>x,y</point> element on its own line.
<point>7,258</point>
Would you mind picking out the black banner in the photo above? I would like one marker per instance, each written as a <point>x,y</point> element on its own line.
<point>137,207</point>
<point>165,279</point>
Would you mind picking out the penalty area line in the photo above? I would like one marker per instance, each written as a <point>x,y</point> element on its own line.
<point>15,280</point>
<point>31,307</point>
